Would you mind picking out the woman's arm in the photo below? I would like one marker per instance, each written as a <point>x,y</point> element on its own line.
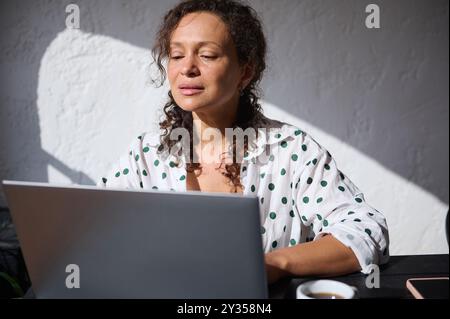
<point>324,257</point>
<point>328,203</point>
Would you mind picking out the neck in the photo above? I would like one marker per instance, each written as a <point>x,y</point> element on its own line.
<point>220,121</point>
<point>214,118</point>
<point>206,128</point>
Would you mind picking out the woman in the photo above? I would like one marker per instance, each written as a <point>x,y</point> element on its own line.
<point>314,220</point>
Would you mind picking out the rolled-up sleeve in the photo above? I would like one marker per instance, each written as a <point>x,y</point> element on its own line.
<point>329,203</point>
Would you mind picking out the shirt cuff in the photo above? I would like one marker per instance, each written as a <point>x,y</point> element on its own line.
<point>363,248</point>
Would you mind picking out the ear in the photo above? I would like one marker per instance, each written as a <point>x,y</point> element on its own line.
<point>247,74</point>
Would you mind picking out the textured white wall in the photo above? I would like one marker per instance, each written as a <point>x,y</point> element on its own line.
<point>71,100</point>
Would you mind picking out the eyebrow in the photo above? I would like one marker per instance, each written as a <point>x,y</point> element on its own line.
<point>202,43</point>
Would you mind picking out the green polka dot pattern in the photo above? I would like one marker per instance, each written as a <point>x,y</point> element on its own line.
<point>299,189</point>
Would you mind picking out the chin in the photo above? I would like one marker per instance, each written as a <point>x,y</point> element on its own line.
<point>190,104</point>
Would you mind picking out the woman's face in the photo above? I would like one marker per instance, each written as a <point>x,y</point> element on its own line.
<point>203,69</point>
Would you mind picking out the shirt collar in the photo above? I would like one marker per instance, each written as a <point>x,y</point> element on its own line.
<point>269,135</point>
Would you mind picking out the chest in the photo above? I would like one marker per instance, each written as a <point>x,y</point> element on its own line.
<point>210,179</point>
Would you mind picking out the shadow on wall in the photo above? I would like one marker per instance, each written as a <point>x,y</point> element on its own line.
<point>26,30</point>
<point>384,93</point>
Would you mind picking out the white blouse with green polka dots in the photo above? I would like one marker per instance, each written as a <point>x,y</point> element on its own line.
<point>302,193</point>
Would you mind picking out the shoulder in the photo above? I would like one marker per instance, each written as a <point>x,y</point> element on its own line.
<point>142,150</point>
<point>146,142</point>
<point>291,142</point>
<point>278,131</point>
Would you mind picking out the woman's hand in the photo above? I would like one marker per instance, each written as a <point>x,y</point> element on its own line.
<point>325,257</point>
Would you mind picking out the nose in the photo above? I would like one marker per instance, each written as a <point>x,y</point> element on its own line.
<point>189,67</point>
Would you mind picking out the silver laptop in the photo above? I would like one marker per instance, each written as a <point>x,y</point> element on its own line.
<point>89,242</point>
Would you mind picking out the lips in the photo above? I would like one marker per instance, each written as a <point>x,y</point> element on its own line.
<point>190,89</point>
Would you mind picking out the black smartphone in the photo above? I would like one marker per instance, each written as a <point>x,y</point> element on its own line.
<point>428,288</point>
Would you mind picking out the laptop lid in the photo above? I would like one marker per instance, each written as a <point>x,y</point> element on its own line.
<point>89,242</point>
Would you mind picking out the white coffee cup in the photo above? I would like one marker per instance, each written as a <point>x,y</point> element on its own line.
<point>325,289</point>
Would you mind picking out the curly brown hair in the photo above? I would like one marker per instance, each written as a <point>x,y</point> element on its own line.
<point>247,34</point>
